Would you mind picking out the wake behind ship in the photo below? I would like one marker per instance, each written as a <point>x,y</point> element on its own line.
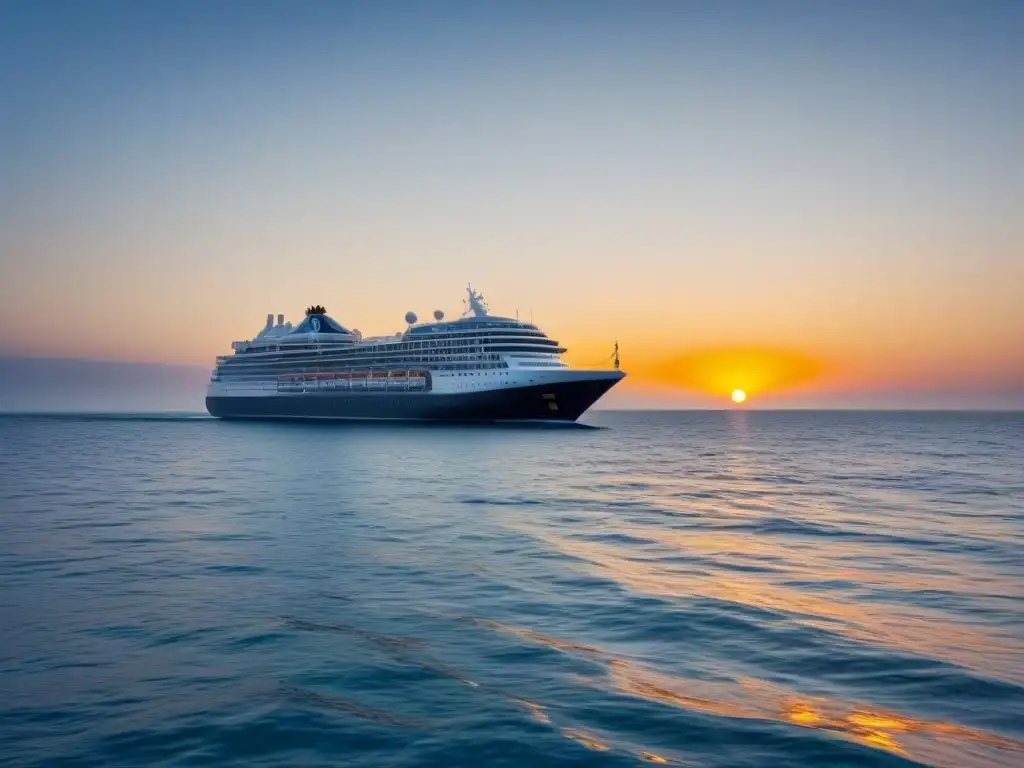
<point>476,368</point>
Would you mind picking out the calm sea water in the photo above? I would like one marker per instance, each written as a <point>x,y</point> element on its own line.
<point>713,589</point>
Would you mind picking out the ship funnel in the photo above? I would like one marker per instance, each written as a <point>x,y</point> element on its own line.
<point>270,320</point>
<point>280,319</point>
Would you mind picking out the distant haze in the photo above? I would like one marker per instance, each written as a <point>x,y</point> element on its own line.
<point>34,384</point>
<point>819,203</point>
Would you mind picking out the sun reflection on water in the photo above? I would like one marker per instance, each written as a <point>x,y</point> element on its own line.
<point>746,571</point>
<point>748,698</point>
<point>797,557</point>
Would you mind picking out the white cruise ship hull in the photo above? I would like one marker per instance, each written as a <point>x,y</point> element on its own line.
<point>556,396</point>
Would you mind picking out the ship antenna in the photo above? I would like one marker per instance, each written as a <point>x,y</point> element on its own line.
<point>476,302</point>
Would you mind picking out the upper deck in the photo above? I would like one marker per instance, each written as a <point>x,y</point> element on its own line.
<point>318,331</point>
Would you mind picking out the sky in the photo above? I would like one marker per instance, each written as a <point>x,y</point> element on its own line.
<point>819,202</point>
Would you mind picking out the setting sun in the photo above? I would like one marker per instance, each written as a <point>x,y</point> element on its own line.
<point>738,395</point>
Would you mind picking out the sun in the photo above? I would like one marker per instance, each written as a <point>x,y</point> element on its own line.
<point>738,396</point>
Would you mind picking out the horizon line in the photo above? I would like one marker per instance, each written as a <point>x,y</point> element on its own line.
<point>88,412</point>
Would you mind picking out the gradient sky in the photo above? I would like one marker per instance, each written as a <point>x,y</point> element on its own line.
<point>818,201</point>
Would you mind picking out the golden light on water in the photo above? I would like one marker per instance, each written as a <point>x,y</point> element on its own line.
<point>891,731</point>
<point>738,396</point>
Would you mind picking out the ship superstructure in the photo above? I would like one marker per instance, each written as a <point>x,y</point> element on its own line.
<point>478,367</point>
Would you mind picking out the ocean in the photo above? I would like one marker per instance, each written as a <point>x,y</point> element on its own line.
<point>733,588</point>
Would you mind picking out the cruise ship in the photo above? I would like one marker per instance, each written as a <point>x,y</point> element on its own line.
<point>478,367</point>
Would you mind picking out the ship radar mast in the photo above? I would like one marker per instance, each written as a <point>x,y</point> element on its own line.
<point>476,303</point>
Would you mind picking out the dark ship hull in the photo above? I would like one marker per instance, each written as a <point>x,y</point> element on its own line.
<point>555,402</point>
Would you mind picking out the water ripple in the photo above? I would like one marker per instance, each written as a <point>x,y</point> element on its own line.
<point>737,589</point>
